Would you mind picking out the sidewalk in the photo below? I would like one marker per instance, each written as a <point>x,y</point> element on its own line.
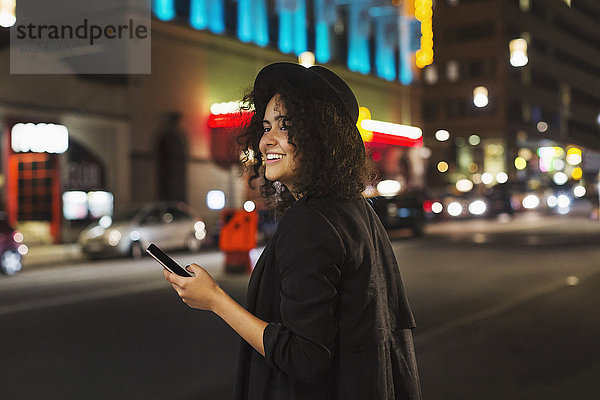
<point>55,255</point>
<point>49,255</point>
<point>52,254</point>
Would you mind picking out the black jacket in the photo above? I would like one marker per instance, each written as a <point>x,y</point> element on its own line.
<point>339,320</point>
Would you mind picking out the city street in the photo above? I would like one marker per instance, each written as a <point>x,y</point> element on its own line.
<point>505,310</point>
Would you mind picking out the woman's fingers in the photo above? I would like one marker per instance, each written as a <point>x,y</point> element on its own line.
<point>174,278</point>
<point>195,269</point>
<point>198,291</point>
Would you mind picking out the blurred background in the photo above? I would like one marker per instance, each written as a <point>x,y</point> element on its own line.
<point>482,118</point>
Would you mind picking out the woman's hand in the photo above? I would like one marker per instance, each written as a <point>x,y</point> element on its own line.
<point>200,291</point>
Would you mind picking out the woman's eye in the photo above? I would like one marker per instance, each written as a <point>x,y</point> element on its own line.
<point>266,129</point>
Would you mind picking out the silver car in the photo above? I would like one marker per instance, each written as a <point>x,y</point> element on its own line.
<point>170,225</point>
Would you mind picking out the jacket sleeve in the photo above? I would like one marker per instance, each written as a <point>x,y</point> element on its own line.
<point>309,253</point>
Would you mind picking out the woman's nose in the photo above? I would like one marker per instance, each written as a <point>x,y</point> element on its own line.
<point>268,138</point>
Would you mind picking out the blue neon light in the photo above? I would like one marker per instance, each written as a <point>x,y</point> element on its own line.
<point>207,14</point>
<point>406,73</point>
<point>261,23</point>
<point>322,49</point>
<point>300,38</point>
<point>358,39</point>
<point>216,12</point>
<point>198,14</point>
<point>385,64</point>
<point>286,44</point>
<point>244,29</point>
<point>164,9</point>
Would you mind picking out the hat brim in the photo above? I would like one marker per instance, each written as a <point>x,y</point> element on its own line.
<point>316,78</point>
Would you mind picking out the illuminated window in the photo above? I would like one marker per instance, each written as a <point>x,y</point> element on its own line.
<point>100,203</point>
<point>452,71</point>
<point>215,199</point>
<point>430,74</point>
<point>36,179</point>
<point>518,52</point>
<point>480,96</point>
<point>75,205</point>
<point>524,5</point>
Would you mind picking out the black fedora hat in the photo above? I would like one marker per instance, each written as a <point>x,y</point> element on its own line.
<point>323,81</point>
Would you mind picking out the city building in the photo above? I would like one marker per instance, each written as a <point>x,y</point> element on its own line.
<point>514,95</point>
<point>136,138</point>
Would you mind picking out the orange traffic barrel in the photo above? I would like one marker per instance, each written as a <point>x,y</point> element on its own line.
<point>237,238</point>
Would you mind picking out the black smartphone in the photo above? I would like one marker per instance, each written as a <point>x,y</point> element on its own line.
<point>167,261</point>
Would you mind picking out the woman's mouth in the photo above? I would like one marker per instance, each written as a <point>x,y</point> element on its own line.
<point>273,158</point>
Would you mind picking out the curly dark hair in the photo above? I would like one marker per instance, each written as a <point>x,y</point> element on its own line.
<point>333,162</point>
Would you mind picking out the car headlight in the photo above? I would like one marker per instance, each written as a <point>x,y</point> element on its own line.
<point>477,207</point>
<point>563,201</point>
<point>454,209</point>
<point>199,226</point>
<point>114,237</point>
<point>200,230</point>
<point>531,201</point>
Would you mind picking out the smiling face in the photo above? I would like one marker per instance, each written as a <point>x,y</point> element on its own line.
<point>280,156</point>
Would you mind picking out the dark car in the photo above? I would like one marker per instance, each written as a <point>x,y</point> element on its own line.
<point>11,260</point>
<point>400,211</point>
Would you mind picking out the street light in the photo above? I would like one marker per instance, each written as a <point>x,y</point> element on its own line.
<point>480,96</point>
<point>7,13</point>
<point>442,135</point>
<point>518,52</point>
<point>306,59</point>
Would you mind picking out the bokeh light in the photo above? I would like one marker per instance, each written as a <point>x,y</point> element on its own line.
<point>454,209</point>
<point>560,178</point>
<point>501,177</point>
<point>531,201</point>
<point>442,135</point>
<point>487,178</point>
<point>579,191</point>
<point>520,163</point>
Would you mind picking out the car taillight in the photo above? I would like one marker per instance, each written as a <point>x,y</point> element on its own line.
<point>427,205</point>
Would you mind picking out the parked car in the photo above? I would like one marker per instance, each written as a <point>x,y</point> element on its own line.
<point>400,211</point>
<point>11,260</point>
<point>170,225</point>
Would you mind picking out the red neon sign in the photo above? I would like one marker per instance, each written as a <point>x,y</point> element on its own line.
<point>384,138</point>
<point>239,119</point>
<point>231,120</point>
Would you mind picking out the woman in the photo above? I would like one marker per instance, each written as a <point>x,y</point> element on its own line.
<point>326,314</point>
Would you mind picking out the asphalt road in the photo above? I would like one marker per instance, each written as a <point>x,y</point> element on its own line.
<point>504,311</point>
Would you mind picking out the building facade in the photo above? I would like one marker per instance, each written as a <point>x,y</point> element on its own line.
<point>137,138</point>
<point>512,77</point>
